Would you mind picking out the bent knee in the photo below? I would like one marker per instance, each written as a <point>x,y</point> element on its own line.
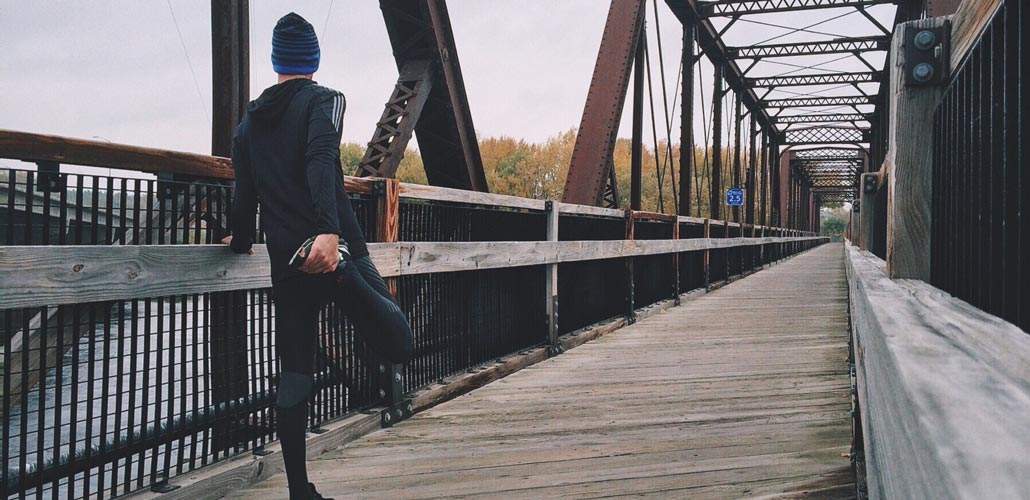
<point>294,389</point>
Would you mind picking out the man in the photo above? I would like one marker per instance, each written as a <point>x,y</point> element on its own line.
<point>286,155</point>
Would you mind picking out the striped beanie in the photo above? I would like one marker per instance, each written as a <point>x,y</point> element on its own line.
<point>294,46</point>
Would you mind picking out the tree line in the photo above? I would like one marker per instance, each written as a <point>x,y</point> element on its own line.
<point>538,170</point>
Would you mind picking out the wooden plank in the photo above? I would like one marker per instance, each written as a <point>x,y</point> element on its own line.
<point>217,480</point>
<point>435,193</point>
<point>960,426</point>
<point>573,209</point>
<point>911,153</point>
<point>68,274</point>
<point>39,147</point>
<point>967,24</point>
<point>641,410</point>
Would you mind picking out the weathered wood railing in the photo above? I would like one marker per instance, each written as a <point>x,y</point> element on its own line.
<point>942,383</point>
<point>134,352</point>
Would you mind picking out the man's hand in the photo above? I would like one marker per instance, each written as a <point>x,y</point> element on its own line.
<point>324,255</point>
<point>228,241</point>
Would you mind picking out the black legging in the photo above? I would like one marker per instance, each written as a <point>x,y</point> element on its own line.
<point>358,288</point>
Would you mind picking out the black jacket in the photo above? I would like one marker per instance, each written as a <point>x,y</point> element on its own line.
<point>286,155</point>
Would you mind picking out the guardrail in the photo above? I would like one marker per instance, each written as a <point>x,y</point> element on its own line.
<point>943,390</point>
<point>135,350</point>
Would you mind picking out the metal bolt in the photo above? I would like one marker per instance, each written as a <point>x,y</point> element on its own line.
<point>923,72</point>
<point>397,377</point>
<point>926,39</point>
<point>382,368</point>
<point>387,417</point>
<point>382,393</point>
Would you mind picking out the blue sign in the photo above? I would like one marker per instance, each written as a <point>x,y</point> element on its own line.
<point>735,197</point>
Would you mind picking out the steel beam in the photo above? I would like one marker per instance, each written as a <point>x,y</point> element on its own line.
<point>811,102</point>
<point>230,70</point>
<point>595,142</point>
<point>829,153</point>
<point>749,7</point>
<point>445,132</point>
<point>823,118</point>
<point>393,131</point>
<point>826,135</point>
<point>709,39</point>
<point>836,46</point>
<point>637,142</point>
<point>820,79</point>
<point>687,119</point>
<point>715,186</point>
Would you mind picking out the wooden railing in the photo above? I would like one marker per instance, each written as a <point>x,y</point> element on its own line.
<point>172,341</point>
<point>942,372</point>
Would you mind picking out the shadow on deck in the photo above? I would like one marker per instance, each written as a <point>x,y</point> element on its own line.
<point>741,392</point>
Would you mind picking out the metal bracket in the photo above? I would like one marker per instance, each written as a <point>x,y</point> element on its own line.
<point>395,413</point>
<point>555,349</point>
<point>927,53</point>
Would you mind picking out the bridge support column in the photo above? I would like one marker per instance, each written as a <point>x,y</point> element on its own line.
<point>909,161</point>
<point>708,256</point>
<point>391,375</point>
<point>551,283</point>
<point>631,314</point>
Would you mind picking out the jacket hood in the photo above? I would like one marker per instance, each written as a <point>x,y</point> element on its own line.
<point>272,103</point>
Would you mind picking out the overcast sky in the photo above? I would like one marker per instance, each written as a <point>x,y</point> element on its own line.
<point>116,70</point>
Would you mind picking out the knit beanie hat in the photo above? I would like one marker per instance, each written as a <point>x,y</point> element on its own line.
<point>294,46</point>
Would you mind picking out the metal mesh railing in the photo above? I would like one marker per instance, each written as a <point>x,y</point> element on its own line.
<point>980,226</point>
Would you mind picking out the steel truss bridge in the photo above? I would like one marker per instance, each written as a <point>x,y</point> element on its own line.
<point>689,348</point>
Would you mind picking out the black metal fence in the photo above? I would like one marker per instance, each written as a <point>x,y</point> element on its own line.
<point>980,193</point>
<point>102,399</point>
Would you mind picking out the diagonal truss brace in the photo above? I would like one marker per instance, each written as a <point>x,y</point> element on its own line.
<point>395,126</point>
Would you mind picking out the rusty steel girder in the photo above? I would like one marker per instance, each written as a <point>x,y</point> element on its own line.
<point>595,141</point>
<point>420,33</point>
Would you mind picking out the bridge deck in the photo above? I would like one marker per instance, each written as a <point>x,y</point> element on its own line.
<point>740,392</point>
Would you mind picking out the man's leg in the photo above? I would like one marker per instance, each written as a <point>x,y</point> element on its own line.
<point>297,302</point>
<point>366,299</point>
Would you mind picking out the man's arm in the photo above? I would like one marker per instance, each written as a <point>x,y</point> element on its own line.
<point>244,202</point>
<point>321,164</point>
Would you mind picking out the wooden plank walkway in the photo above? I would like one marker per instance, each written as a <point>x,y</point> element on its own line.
<point>740,392</point>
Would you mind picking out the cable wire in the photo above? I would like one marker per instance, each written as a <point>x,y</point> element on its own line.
<point>189,63</point>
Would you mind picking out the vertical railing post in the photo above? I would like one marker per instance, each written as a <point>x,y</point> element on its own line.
<point>910,158</point>
<point>726,251</point>
<point>391,375</point>
<point>631,314</point>
<point>708,255</point>
<point>551,282</point>
<point>676,263</point>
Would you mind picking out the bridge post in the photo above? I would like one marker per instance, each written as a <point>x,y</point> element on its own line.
<point>631,314</point>
<point>909,160</point>
<point>387,230</point>
<point>708,256</point>
<point>676,264</point>
<point>687,119</point>
<point>715,182</point>
<point>551,282</point>
<point>726,252</point>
